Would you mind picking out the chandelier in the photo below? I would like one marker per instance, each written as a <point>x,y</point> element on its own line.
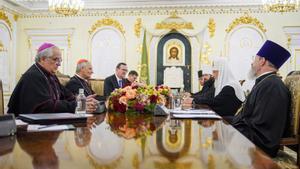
<point>281,5</point>
<point>66,7</point>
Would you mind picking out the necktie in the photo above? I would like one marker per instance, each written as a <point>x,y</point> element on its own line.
<point>120,83</point>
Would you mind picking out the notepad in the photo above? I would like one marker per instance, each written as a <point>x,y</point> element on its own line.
<point>20,123</point>
<point>34,128</point>
<point>198,116</point>
<point>192,111</point>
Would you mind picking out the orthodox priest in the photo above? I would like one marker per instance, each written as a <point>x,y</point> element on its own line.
<point>39,90</point>
<point>206,80</point>
<point>266,115</point>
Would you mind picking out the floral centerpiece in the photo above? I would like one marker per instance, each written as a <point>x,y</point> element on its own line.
<point>138,98</point>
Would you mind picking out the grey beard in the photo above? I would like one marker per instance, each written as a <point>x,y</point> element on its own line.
<point>251,74</point>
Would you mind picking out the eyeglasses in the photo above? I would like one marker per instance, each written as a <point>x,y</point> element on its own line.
<point>56,60</point>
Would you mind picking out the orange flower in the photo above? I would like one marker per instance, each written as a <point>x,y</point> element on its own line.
<point>123,100</point>
<point>131,94</point>
<point>127,88</point>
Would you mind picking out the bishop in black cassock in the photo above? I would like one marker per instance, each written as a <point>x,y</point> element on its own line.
<point>265,117</point>
<point>39,91</point>
<point>84,72</point>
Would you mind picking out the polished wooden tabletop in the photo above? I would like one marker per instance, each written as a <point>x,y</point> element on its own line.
<point>134,141</point>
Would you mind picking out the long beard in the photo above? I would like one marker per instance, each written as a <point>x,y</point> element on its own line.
<point>251,74</point>
<point>216,84</point>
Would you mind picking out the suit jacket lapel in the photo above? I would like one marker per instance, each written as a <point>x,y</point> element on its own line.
<point>115,82</point>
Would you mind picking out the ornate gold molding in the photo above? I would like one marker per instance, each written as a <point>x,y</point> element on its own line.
<point>137,27</point>
<point>174,25</point>
<point>174,22</point>
<point>289,40</point>
<point>69,41</point>
<point>29,43</point>
<point>16,17</point>
<point>2,48</point>
<point>107,22</point>
<point>246,19</point>
<point>206,52</point>
<point>156,11</point>
<point>211,27</point>
<point>5,19</point>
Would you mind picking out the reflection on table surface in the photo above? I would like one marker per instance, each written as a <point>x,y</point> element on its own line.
<point>137,141</point>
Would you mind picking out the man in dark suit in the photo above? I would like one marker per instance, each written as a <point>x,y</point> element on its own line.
<point>116,80</point>
<point>84,71</point>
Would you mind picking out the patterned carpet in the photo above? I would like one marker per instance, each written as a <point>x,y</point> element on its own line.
<point>287,159</point>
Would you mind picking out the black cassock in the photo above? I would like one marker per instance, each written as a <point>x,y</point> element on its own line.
<point>207,91</point>
<point>266,114</point>
<point>38,91</point>
<point>225,103</point>
<point>76,83</point>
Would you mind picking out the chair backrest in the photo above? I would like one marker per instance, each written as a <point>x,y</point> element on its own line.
<point>63,79</point>
<point>293,84</point>
<point>97,86</point>
<point>1,99</point>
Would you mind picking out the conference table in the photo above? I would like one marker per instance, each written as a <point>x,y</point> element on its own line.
<point>134,141</point>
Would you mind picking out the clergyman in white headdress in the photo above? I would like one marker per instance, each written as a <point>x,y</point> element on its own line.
<point>228,95</point>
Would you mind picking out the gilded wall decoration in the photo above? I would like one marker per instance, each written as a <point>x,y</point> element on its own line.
<point>156,11</point>
<point>174,22</point>
<point>289,40</point>
<point>211,27</point>
<point>174,25</point>
<point>246,19</point>
<point>107,22</point>
<point>4,17</point>
<point>16,17</point>
<point>137,27</point>
<point>205,53</point>
<point>69,41</point>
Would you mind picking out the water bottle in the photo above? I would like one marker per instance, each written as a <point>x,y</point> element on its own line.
<point>81,103</point>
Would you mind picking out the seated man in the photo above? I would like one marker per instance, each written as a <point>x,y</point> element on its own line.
<point>207,82</point>
<point>39,90</point>
<point>131,78</point>
<point>265,117</point>
<point>84,72</point>
<point>116,80</point>
<point>228,95</point>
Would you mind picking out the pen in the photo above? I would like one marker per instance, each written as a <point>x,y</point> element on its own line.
<point>42,127</point>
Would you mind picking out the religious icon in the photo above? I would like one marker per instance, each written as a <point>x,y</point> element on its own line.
<point>174,53</point>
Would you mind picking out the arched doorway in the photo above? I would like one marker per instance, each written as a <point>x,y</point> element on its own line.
<point>174,51</point>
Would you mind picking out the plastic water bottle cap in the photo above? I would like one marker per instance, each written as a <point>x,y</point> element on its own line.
<point>81,91</point>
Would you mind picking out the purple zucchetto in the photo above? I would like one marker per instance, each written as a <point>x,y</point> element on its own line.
<point>45,46</point>
<point>274,53</point>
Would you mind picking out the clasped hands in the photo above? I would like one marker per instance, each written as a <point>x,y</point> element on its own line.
<point>187,101</point>
<point>91,103</point>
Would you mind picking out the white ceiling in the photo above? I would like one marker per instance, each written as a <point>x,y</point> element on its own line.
<point>40,5</point>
